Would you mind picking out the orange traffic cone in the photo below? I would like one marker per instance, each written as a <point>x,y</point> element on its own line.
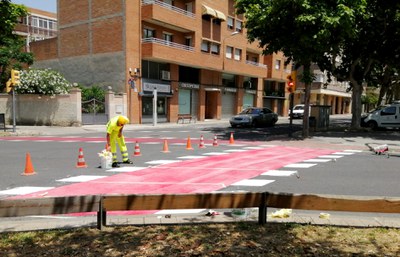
<point>137,150</point>
<point>231,140</point>
<point>189,144</point>
<point>165,147</point>
<point>201,145</point>
<point>215,142</point>
<point>81,160</point>
<point>28,166</point>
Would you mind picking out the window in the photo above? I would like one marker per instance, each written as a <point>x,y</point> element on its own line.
<point>238,54</point>
<point>148,33</point>
<point>277,64</point>
<point>388,111</point>
<point>238,26</point>
<point>205,46</point>
<point>35,22</point>
<point>229,22</point>
<point>167,37</point>
<point>188,41</point>
<point>229,52</point>
<point>214,48</point>
<point>189,7</point>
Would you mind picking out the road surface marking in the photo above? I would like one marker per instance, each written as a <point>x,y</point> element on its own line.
<point>82,178</point>
<point>24,190</point>
<point>317,160</point>
<point>331,156</point>
<point>126,169</point>
<point>163,161</point>
<point>191,157</point>
<point>253,182</point>
<point>300,165</point>
<point>280,173</point>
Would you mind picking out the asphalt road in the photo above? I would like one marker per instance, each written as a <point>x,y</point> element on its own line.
<point>54,159</point>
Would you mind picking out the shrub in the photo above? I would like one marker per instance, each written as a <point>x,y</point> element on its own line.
<point>43,82</point>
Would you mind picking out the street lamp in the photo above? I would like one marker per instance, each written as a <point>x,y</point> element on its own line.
<point>224,48</point>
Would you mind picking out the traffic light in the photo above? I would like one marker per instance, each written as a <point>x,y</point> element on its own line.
<point>8,86</point>
<point>290,84</point>
<point>15,77</point>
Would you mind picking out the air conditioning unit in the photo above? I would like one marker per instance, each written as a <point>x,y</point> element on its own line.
<point>165,75</point>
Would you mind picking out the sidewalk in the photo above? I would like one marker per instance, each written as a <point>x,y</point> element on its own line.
<point>361,220</point>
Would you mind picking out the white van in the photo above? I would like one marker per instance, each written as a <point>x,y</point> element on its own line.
<point>386,117</point>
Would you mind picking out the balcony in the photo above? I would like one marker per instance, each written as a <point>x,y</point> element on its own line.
<point>166,15</point>
<point>249,68</point>
<point>167,43</point>
<point>165,51</point>
<point>256,64</point>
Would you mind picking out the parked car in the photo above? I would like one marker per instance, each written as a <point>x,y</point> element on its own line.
<point>387,116</point>
<point>254,116</point>
<point>298,111</point>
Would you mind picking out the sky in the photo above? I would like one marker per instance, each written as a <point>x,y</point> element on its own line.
<point>46,5</point>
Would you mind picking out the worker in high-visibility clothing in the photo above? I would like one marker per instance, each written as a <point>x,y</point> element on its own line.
<point>114,136</point>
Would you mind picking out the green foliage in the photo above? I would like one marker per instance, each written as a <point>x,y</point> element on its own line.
<point>43,82</point>
<point>11,45</point>
<point>8,19</point>
<point>370,98</point>
<point>346,38</point>
<point>93,99</point>
<point>94,91</point>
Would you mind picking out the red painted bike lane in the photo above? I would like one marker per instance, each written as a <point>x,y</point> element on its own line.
<point>191,176</point>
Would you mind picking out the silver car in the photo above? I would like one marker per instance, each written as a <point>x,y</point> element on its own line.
<point>255,117</point>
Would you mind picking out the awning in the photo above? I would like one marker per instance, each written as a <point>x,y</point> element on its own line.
<point>208,11</point>
<point>220,15</point>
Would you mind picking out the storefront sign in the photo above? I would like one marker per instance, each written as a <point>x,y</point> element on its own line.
<point>161,88</point>
<point>188,85</point>
<point>229,89</point>
<point>251,92</point>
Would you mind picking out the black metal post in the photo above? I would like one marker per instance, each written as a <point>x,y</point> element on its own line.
<point>291,114</point>
<point>262,209</point>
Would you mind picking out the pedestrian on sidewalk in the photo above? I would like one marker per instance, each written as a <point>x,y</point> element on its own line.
<point>114,136</point>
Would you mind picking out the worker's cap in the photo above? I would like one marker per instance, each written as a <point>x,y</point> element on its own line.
<point>123,120</point>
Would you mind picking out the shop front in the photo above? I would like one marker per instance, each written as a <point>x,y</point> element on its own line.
<point>155,95</point>
<point>188,94</point>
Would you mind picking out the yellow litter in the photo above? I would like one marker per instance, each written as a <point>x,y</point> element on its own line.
<point>282,213</point>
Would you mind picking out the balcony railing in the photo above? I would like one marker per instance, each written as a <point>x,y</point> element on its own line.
<point>158,41</point>
<point>168,6</point>
<point>256,64</point>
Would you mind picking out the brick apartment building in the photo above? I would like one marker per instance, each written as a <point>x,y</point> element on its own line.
<point>193,52</point>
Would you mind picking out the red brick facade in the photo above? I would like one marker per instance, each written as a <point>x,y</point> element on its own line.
<point>202,37</point>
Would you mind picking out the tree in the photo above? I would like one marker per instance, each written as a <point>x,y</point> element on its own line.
<point>11,45</point>
<point>374,46</point>
<point>303,31</point>
<point>346,38</point>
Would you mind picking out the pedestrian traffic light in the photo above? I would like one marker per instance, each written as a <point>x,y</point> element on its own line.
<point>290,84</point>
<point>15,77</point>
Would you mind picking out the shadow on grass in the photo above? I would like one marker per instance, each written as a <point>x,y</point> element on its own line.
<point>230,239</point>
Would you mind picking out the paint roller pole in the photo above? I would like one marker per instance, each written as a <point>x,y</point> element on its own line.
<point>154,107</point>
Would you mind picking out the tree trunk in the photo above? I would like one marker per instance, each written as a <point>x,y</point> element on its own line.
<point>356,105</point>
